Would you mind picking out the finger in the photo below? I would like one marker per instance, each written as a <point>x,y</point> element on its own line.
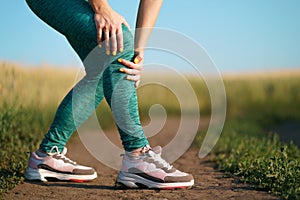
<point>127,63</point>
<point>137,83</point>
<point>133,78</point>
<point>120,40</point>
<point>137,59</point>
<point>113,43</point>
<point>99,37</point>
<point>130,71</point>
<point>107,42</point>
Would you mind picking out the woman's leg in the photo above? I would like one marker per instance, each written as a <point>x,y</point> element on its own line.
<point>121,96</point>
<point>75,19</point>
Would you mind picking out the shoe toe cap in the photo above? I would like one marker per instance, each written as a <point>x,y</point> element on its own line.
<point>175,179</point>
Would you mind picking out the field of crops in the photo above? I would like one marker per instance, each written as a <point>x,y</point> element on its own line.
<point>256,103</point>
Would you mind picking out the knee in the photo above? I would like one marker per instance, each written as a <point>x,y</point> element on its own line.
<point>84,46</point>
<point>95,59</point>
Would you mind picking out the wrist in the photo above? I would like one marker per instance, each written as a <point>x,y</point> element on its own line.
<point>99,6</point>
<point>139,51</point>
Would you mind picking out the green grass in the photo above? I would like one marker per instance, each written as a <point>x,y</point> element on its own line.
<point>28,101</point>
<point>30,96</point>
<point>20,129</point>
<point>246,148</point>
<point>246,151</point>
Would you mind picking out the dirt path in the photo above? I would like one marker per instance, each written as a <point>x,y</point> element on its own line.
<point>209,183</point>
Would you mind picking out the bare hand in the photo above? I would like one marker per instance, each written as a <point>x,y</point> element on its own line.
<point>134,69</point>
<point>109,26</point>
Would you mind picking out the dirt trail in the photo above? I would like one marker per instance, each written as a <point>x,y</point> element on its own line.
<point>209,183</point>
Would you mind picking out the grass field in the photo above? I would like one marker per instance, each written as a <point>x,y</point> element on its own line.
<point>28,101</point>
<point>29,97</point>
<point>246,148</point>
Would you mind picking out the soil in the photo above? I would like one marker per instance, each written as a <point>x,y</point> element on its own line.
<point>209,182</point>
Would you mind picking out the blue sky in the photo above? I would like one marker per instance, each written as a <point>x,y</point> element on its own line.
<point>237,34</point>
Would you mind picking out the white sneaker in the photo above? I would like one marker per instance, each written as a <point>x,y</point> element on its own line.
<point>57,165</point>
<point>150,170</point>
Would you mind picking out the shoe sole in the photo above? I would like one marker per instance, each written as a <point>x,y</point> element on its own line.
<point>134,181</point>
<point>42,175</point>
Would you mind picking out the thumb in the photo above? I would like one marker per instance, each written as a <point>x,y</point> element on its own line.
<point>137,59</point>
<point>126,24</point>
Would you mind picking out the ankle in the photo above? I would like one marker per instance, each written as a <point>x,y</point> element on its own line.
<point>139,151</point>
<point>41,153</point>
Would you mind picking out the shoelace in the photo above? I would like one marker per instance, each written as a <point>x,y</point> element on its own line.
<point>61,155</point>
<point>154,155</point>
<point>66,158</point>
<point>162,161</point>
<point>145,149</point>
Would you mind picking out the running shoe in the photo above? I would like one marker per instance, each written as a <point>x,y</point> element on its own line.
<point>148,169</point>
<point>57,166</point>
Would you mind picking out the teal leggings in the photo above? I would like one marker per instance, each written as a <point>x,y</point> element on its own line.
<point>75,20</point>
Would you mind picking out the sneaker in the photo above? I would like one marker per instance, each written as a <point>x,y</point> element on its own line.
<point>147,168</point>
<point>58,166</point>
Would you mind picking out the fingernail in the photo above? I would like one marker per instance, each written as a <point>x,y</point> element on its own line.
<point>136,61</point>
<point>119,60</point>
<point>121,50</point>
<point>128,78</point>
<point>99,45</point>
<point>107,52</point>
<point>121,70</point>
<point>114,53</point>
